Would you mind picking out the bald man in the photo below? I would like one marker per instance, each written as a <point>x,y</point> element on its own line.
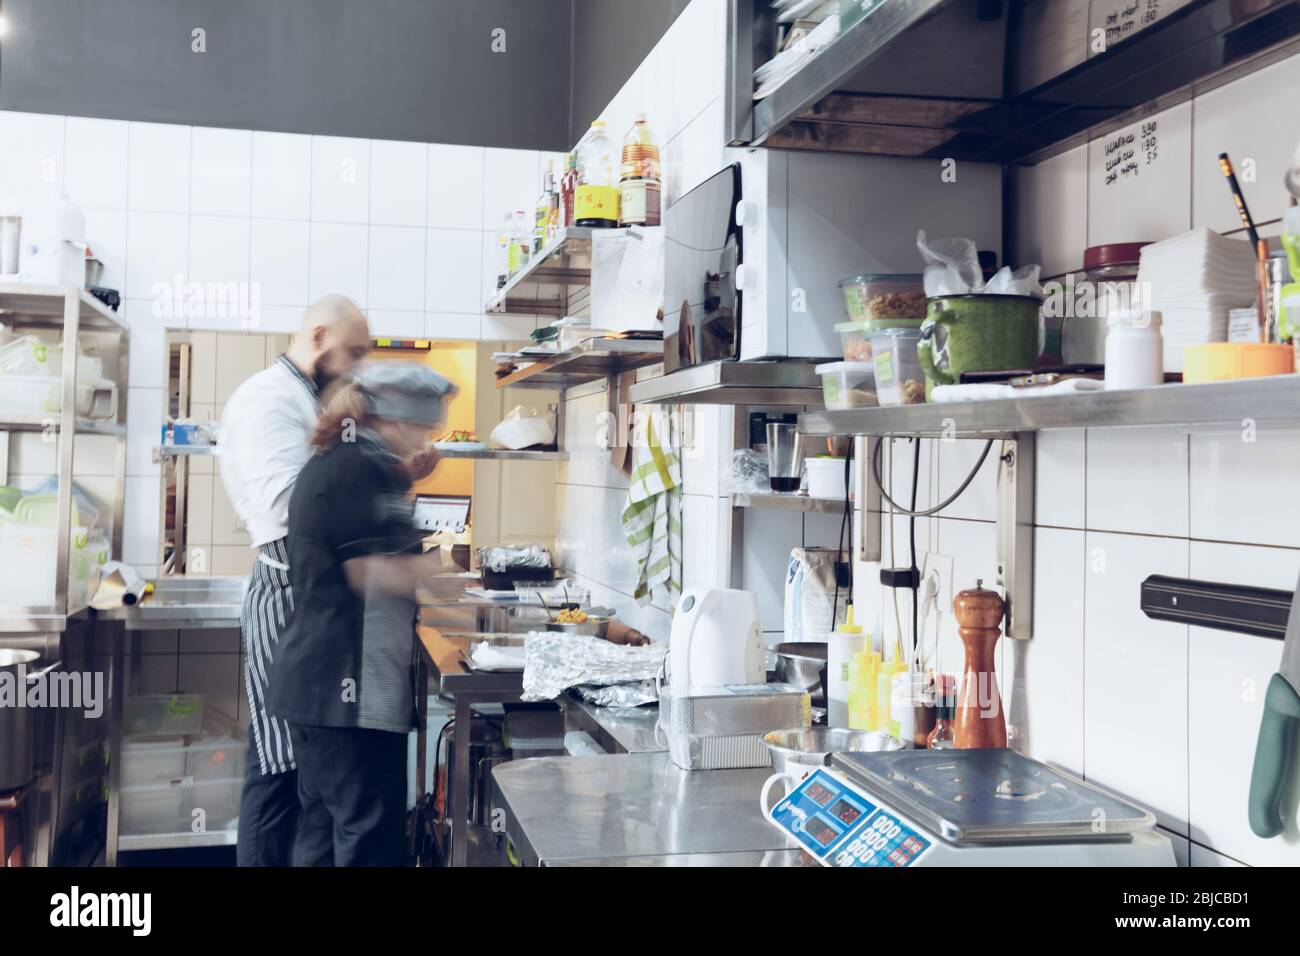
<point>265,441</point>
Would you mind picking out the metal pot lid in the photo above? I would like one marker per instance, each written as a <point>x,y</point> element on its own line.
<point>993,796</point>
<point>15,656</point>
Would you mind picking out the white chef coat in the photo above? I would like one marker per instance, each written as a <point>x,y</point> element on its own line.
<point>264,437</point>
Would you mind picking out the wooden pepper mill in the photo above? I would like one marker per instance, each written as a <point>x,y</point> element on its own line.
<point>979,705</point>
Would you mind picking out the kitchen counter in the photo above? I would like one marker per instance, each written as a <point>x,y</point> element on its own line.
<point>181,602</point>
<point>624,730</point>
<point>634,810</point>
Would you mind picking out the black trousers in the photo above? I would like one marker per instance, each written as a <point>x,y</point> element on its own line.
<point>352,786</point>
<point>268,814</point>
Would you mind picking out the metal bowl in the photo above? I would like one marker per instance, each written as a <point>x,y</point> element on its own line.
<point>813,746</point>
<point>596,626</point>
<point>801,663</point>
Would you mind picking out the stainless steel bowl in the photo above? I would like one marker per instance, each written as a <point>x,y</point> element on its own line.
<point>801,663</point>
<point>596,626</point>
<point>813,746</point>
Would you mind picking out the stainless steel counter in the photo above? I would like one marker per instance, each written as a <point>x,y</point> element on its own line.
<point>780,858</point>
<point>623,730</point>
<point>176,603</point>
<point>633,810</point>
<point>189,603</point>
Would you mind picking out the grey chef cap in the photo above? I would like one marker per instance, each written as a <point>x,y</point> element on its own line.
<point>405,391</point>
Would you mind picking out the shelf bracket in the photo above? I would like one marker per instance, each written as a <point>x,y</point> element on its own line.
<point>869,515</point>
<point>1015,531</point>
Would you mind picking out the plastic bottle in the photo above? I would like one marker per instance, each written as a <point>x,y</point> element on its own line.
<point>504,235</point>
<point>842,645</point>
<point>519,242</point>
<point>639,184</point>
<point>595,201</point>
<point>542,211</point>
<point>902,700</point>
<point>568,184</point>
<point>885,690</point>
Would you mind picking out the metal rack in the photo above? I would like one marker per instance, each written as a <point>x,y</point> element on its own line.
<point>558,272</point>
<point>589,361</point>
<point>504,454</point>
<point>1019,92</point>
<point>79,317</point>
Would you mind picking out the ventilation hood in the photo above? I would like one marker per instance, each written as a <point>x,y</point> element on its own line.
<point>786,382</point>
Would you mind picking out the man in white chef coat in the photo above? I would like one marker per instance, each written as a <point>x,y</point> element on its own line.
<point>265,441</point>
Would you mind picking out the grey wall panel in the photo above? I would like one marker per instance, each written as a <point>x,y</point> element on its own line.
<point>610,40</point>
<point>419,70</point>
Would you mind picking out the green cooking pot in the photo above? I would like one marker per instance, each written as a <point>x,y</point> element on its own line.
<point>977,333</point>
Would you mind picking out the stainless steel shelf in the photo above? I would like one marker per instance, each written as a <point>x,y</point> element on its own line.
<point>34,301</point>
<point>501,454</point>
<point>1016,94</point>
<point>1230,404</point>
<point>175,841</point>
<point>734,383</point>
<point>788,502</point>
<point>83,426</point>
<point>184,451</point>
<point>825,72</point>
<point>552,276</point>
<point>592,360</point>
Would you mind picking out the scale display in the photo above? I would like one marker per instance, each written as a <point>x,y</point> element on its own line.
<point>841,827</point>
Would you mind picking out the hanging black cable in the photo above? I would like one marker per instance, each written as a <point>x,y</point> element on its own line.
<point>911,533</point>
<point>844,524</point>
<point>875,475</point>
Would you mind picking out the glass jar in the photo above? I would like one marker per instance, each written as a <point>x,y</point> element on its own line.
<point>1107,284</point>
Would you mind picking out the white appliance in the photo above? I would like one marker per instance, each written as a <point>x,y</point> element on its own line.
<point>716,639</point>
<point>962,808</point>
<point>809,219</point>
<point>52,242</point>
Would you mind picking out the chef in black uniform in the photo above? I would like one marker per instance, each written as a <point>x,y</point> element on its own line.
<point>343,676</point>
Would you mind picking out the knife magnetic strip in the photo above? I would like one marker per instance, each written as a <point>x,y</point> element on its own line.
<point>1261,612</point>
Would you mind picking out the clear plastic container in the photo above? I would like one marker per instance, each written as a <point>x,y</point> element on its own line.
<point>152,762</point>
<point>899,379</point>
<point>163,715</point>
<point>28,559</point>
<point>43,395</point>
<point>848,384</point>
<point>855,337</point>
<point>553,593</point>
<point>878,297</point>
<point>825,477</point>
<point>25,355</point>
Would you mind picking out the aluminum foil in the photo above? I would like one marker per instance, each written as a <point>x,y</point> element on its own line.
<point>554,662</point>
<point>717,728</point>
<point>629,695</point>
<point>502,559</point>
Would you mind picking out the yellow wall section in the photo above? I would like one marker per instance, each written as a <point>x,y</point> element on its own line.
<point>456,362</point>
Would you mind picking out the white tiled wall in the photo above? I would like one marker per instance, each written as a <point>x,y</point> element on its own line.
<point>408,230</point>
<point>679,88</point>
<point>1163,713</point>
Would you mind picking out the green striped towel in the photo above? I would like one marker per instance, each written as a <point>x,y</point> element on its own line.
<point>652,519</point>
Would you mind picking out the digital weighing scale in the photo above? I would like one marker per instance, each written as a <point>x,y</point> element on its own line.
<point>963,808</point>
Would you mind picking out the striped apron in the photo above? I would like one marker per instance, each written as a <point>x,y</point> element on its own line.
<point>268,602</point>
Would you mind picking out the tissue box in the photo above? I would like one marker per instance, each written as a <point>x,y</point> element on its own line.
<point>722,728</point>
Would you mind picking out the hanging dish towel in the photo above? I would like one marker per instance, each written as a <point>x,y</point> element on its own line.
<point>652,519</point>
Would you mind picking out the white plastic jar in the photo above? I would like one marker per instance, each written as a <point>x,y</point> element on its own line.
<point>1135,350</point>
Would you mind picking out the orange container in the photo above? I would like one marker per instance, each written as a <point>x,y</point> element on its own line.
<point>1219,361</point>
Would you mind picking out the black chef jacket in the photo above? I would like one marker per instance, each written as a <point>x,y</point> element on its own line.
<point>347,660</point>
